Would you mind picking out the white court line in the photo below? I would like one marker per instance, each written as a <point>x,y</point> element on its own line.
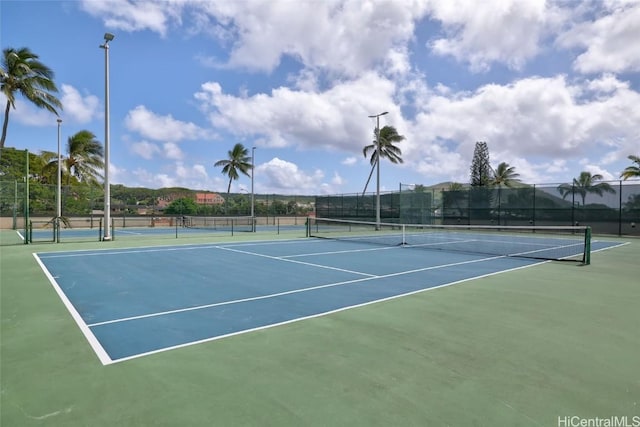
<point>294,291</point>
<point>144,249</point>
<point>93,341</point>
<point>123,251</point>
<point>297,262</point>
<point>131,232</point>
<point>349,251</point>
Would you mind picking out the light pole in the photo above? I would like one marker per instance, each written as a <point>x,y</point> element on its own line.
<point>377,117</point>
<point>107,190</point>
<point>59,191</point>
<point>253,219</point>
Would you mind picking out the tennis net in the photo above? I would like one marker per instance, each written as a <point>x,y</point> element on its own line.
<point>571,243</point>
<point>218,223</point>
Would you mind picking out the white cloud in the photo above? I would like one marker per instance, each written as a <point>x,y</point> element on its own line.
<point>597,170</point>
<point>148,150</point>
<point>172,151</point>
<point>145,149</point>
<point>610,40</point>
<point>334,119</point>
<point>502,31</point>
<point>27,114</point>
<point>78,108</point>
<point>354,58</point>
<point>176,174</point>
<point>436,163</point>
<point>533,118</point>
<point>132,16</point>
<point>337,180</point>
<point>200,170</point>
<point>607,84</point>
<point>161,128</point>
<point>350,161</point>
<point>284,177</point>
<point>345,37</point>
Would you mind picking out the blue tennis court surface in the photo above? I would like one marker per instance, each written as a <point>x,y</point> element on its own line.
<point>139,301</point>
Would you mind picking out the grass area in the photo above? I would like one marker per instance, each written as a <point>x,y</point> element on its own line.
<point>519,348</point>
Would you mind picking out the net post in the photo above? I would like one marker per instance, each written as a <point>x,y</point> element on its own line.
<point>587,246</point>
<point>404,235</point>
<point>100,230</point>
<point>307,227</point>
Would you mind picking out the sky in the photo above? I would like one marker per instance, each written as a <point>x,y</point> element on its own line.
<point>553,87</point>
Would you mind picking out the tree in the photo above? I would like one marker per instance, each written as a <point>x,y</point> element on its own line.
<point>632,171</point>
<point>238,161</point>
<point>183,206</point>
<point>388,136</point>
<point>481,172</point>
<point>84,158</point>
<point>505,175</point>
<point>22,72</point>
<point>584,184</point>
<point>47,170</point>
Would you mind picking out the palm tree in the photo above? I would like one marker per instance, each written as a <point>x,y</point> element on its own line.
<point>631,171</point>
<point>388,136</point>
<point>238,161</point>
<point>586,183</point>
<point>22,72</point>
<point>505,175</point>
<point>48,167</point>
<point>84,158</point>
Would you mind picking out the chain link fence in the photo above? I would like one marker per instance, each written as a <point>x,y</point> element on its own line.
<point>612,210</point>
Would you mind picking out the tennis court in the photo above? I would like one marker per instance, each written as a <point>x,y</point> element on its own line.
<point>153,299</point>
<point>265,329</point>
<point>173,227</point>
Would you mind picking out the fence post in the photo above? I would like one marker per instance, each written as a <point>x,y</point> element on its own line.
<point>15,206</point>
<point>534,204</point>
<point>26,199</point>
<point>573,204</point>
<point>620,208</point>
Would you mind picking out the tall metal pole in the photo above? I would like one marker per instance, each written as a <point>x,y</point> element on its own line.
<point>107,188</point>
<point>27,234</point>
<point>377,117</point>
<point>253,219</point>
<point>59,192</point>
